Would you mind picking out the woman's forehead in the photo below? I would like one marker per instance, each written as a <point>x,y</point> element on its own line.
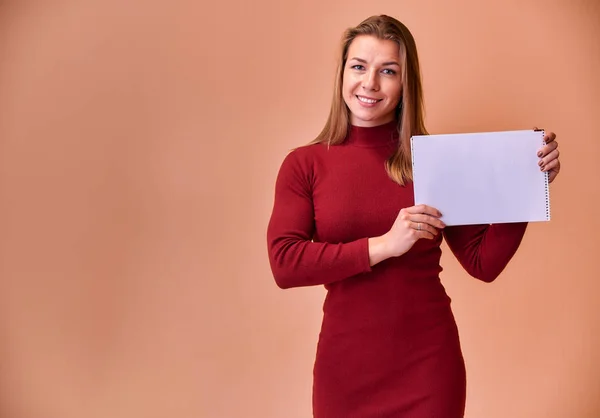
<point>370,48</point>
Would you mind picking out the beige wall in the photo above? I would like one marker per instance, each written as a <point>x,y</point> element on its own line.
<point>139,143</point>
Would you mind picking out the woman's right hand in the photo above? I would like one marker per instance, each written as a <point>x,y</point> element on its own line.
<point>412,224</point>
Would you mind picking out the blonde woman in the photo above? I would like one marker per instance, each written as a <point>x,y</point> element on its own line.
<point>344,217</point>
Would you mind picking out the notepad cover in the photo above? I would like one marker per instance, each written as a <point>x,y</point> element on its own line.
<point>481,178</point>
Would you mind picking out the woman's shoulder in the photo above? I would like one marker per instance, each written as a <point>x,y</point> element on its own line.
<point>306,158</point>
<point>307,152</point>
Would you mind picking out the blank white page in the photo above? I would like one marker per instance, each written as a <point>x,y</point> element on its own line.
<point>481,178</point>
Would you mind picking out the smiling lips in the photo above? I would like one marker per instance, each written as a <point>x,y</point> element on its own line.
<point>367,101</point>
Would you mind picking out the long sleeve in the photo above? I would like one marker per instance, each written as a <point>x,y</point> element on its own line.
<point>484,251</point>
<point>294,258</point>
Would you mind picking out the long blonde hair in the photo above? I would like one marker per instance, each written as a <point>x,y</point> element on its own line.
<point>410,114</point>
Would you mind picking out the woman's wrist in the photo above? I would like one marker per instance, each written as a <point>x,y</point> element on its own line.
<point>378,249</point>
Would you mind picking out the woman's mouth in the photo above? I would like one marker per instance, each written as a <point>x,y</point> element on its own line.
<point>367,101</point>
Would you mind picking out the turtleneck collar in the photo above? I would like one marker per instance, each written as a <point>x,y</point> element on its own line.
<point>375,136</point>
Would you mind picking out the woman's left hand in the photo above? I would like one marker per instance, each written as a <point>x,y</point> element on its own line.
<point>548,155</point>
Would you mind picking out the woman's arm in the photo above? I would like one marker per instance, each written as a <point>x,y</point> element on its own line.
<point>297,261</point>
<point>294,259</point>
<point>484,251</point>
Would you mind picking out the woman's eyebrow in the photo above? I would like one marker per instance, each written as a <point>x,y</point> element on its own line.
<point>385,63</point>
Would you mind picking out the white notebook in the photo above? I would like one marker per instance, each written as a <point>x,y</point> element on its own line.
<point>481,178</point>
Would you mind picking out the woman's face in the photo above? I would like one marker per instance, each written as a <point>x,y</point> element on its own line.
<point>372,84</point>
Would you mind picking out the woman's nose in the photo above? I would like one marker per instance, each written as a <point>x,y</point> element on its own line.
<point>370,81</point>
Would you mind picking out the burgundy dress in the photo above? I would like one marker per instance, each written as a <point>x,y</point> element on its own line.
<point>388,345</point>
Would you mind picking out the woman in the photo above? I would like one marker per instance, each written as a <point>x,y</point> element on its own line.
<point>344,217</point>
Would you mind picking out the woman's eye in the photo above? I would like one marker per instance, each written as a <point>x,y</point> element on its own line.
<point>389,72</point>
<point>358,67</point>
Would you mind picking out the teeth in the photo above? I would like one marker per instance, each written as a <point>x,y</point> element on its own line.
<point>365,100</point>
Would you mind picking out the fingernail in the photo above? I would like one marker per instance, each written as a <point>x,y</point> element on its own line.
<point>542,168</point>
<point>539,153</point>
<point>541,163</point>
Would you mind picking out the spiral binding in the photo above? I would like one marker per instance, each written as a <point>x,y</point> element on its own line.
<point>546,185</point>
